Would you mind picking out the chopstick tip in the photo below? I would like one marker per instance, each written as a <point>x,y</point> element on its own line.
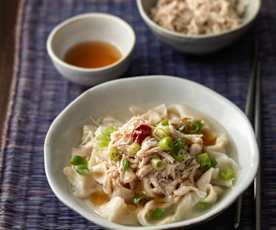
<point>236,225</point>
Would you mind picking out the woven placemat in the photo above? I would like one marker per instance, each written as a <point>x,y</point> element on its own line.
<point>39,94</point>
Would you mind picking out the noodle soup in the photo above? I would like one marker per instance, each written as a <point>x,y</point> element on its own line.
<point>163,165</point>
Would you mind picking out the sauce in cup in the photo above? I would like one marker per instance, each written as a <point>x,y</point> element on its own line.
<point>93,54</point>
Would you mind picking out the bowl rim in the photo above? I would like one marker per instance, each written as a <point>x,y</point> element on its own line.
<point>184,223</point>
<point>90,16</point>
<point>153,24</point>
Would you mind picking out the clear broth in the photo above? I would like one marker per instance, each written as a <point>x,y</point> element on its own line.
<point>93,54</point>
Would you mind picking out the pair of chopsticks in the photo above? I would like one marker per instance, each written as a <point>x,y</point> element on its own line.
<point>253,112</point>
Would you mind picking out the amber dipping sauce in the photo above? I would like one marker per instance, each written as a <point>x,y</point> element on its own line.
<point>94,54</point>
<point>209,138</point>
<point>99,198</point>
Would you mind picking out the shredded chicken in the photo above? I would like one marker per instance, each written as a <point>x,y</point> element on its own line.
<point>172,175</point>
<point>148,147</point>
<point>145,170</point>
<point>167,157</point>
<point>163,181</point>
<point>197,17</point>
<point>195,148</point>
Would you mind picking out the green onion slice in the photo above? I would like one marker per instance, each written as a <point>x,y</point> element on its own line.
<point>205,161</point>
<point>133,148</point>
<point>156,163</point>
<point>103,138</point>
<point>160,132</point>
<point>108,130</point>
<point>202,205</point>
<point>125,164</point>
<point>180,155</point>
<point>226,174</point>
<point>164,122</point>
<point>179,152</point>
<point>137,199</point>
<point>166,144</point>
<point>114,154</point>
<point>80,164</point>
<point>157,214</point>
<point>82,169</point>
<point>78,160</point>
<point>192,127</point>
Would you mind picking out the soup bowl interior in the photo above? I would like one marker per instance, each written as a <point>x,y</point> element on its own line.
<point>114,98</point>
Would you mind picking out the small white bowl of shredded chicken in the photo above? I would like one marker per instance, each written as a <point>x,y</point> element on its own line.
<point>128,159</point>
<point>198,26</point>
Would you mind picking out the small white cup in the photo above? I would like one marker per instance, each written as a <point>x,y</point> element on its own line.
<point>91,27</point>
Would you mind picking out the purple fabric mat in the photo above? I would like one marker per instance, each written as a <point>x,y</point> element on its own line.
<point>39,94</point>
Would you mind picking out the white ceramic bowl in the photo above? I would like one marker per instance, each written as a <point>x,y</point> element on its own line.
<point>114,98</point>
<point>91,27</point>
<point>200,44</point>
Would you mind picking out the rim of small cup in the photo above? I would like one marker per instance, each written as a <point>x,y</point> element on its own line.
<point>153,24</point>
<point>58,28</point>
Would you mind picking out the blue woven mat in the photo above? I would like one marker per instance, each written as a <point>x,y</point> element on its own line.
<point>39,94</point>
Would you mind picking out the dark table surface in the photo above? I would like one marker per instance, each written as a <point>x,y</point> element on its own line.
<point>8,13</point>
<point>226,72</point>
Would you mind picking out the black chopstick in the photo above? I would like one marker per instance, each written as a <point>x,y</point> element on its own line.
<point>258,132</point>
<point>249,111</point>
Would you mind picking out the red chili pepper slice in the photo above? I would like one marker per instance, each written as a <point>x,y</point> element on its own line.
<point>140,133</point>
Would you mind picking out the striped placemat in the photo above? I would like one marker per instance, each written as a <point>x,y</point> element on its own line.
<point>39,94</point>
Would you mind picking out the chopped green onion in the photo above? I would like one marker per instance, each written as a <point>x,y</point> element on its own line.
<point>178,145</point>
<point>180,155</point>
<point>103,138</point>
<point>102,141</point>
<point>114,154</point>
<point>161,131</point>
<point>108,130</point>
<point>197,127</point>
<point>81,169</point>
<point>179,152</point>
<point>213,162</point>
<point>80,164</point>
<point>78,160</point>
<point>137,199</point>
<point>202,205</point>
<point>157,214</point>
<point>166,144</point>
<point>125,164</point>
<point>205,161</point>
<point>165,122</point>
<point>226,174</point>
<point>194,127</point>
<point>156,163</point>
<point>133,148</point>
